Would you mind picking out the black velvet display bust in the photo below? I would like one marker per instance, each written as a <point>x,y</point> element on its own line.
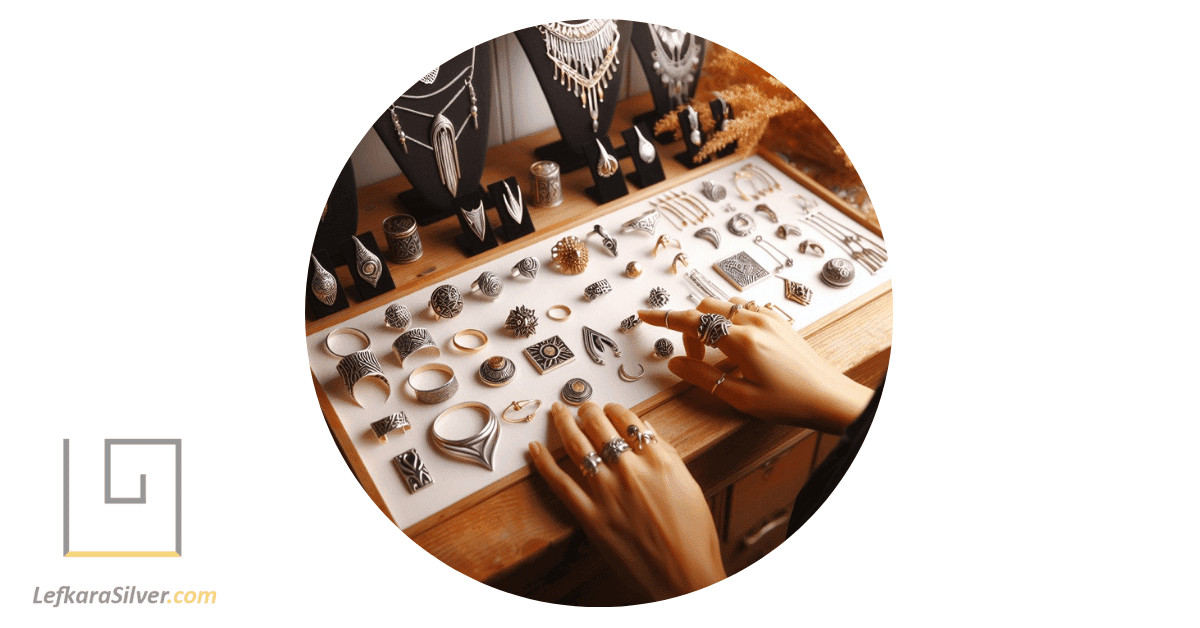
<point>431,199</point>
<point>660,88</point>
<point>571,115</point>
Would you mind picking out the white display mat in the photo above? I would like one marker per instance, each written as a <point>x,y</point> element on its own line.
<point>454,478</point>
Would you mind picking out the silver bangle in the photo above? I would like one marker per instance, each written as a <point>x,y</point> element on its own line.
<point>478,447</point>
<point>412,342</point>
<point>437,394</point>
<point>613,449</point>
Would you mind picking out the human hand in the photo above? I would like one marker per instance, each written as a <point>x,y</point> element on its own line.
<point>777,377</point>
<point>643,510</point>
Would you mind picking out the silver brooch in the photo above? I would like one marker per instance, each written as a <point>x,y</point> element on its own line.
<point>710,234</point>
<point>549,354</point>
<point>659,298</point>
<point>595,342</point>
<point>522,322</point>
<point>324,284</point>
<point>741,270</point>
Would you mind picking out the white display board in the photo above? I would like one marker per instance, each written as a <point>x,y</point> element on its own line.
<point>455,478</point>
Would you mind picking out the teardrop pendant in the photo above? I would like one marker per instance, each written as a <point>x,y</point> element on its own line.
<point>445,151</point>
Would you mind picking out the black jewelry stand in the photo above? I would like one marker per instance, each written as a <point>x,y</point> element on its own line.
<point>341,215</point>
<point>467,241</point>
<point>314,309</point>
<point>646,174</point>
<point>607,188</point>
<point>643,45</point>
<point>430,200</point>
<point>572,119</point>
<point>510,229</point>
<point>718,113</point>
<point>365,289</point>
<point>686,157</point>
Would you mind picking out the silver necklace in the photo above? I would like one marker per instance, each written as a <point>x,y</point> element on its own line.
<point>675,60</point>
<point>584,56</point>
<point>443,137</point>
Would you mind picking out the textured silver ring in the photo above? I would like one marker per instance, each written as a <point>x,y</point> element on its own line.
<point>663,348</point>
<point>497,371</point>
<point>349,331</point>
<point>397,317</point>
<point>488,284</point>
<point>362,365</point>
<point>590,464</point>
<point>613,449</point>
<point>741,224</point>
<point>446,302</point>
<point>640,438</point>
<point>629,323</point>
<point>527,267</point>
<point>596,289</point>
<point>439,393</point>
<point>413,341</point>
<point>659,298</point>
<point>390,423</point>
<point>610,243</point>
<point>576,391</point>
<point>478,447</point>
<point>712,328</point>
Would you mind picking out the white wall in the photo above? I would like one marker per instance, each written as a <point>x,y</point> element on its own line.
<point>518,107</point>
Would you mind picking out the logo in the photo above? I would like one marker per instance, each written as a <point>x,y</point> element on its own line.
<point>136,512</point>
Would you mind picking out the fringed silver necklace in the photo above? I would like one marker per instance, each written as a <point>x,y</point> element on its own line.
<point>584,56</point>
<point>676,55</point>
<point>443,137</point>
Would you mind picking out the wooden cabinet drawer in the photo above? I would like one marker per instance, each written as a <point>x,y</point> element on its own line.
<point>761,502</point>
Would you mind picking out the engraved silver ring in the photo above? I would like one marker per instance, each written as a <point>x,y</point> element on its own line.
<point>712,328</point>
<point>613,449</point>
<point>436,394</point>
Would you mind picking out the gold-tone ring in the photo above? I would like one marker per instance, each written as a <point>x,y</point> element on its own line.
<point>680,258</point>
<point>663,242</point>
<point>470,332</point>
<point>565,309</point>
<point>752,306</point>
<point>517,406</point>
<point>733,310</point>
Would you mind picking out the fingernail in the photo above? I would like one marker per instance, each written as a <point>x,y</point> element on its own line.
<point>535,448</point>
<point>557,407</point>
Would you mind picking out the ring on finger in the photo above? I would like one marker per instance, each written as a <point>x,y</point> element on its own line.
<point>640,438</point>
<point>590,464</point>
<point>712,328</point>
<point>719,382</point>
<point>613,449</point>
<point>733,310</point>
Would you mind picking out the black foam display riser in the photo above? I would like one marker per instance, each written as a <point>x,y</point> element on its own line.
<point>314,309</point>
<point>510,229</point>
<point>425,212</point>
<point>467,241</point>
<point>607,188</point>
<point>341,214</point>
<point>645,174</point>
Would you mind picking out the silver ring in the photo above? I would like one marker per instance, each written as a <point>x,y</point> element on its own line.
<point>626,377</point>
<point>576,391</point>
<point>446,302</point>
<point>522,322</point>
<point>640,438</point>
<point>786,230</point>
<point>397,317</point>
<point>488,284</point>
<point>741,224</point>
<point>590,464</point>
<point>527,267</point>
<point>667,319</point>
<point>762,207</point>
<point>710,234</point>
<point>733,310</point>
<point>479,447</point>
<point>566,312</point>
<point>437,394</point>
<point>413,341</point>
<point>629,323</point>
<point>596,289</point>
<point>360,365</point>
<point>712,328</point>
<point>610,243</point>
<point>663,348</point>
<point>613,449</point>
<point>353,331</point>
<point>659,298</point>
<point>390,423</point>
<point>719,382</point>
<point>714,191</point>
<point>838,273</point>
<point>497,371</point>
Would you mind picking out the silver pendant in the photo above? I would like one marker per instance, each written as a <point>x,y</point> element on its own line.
<point>796,291</point>
<point>515,206</point>
<point>416,476</point>
<point>368,264</point>
<point>445,152</point>
<point>476,221</point>
<point>694,121</point>
<point>741,270</point>
<point>324,285</point>
<point>645,149</point>
<point>607,166</point>
<point>647,222</point>
<point>549,354</point>
<point>595,342</point>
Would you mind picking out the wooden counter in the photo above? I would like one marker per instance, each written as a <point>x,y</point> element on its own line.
<point>515,534</point>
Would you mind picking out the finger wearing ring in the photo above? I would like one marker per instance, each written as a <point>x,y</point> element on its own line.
<point>720,380</point>
<point>590,464</point>
<point>640,438</point>
<point>712,328</point>
<point>613,449</point>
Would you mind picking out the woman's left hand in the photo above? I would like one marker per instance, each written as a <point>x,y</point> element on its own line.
<point>643,509</point>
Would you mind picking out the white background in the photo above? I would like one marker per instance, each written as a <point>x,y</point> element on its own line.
<point>1032,461</point>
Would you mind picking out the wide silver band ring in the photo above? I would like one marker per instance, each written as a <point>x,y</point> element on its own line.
<point>596,289</point>
<point>412,342</point>
<point>712,328</point>
<point>437,394</point>
<point>362,365</point>
<point>478,447</point>
<point>613,449</point>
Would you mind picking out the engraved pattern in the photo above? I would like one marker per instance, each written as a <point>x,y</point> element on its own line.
<point>595,342</point>
<point>324,285</point>
<point>838,272</point>
<point>712,328</point>
<point>478,448</point>
<point>358,365</point>
<point>676,57</point>
<point>527,267</point>
<point>614,448</point>
<point>647,222</point>
<point>796,291</point>
<point>741,270</point>
<point>713,190</point>
<point>446,301</point>
<point>428,79</point>
<point>576,391</point>
<point>390,423</point>
<point>368,264</point>
<point>489,284</point>
<point>413,471</point>
<point>663,348</point>
<point>497,371</point>
<point>476,220</point>
<point>710,234</point>
<point>522,322</point>
<point>439,393</point>
<point>397,317</point>
<point>549,354</point>
<point>741,224</point>
<point>570,255</point>
<point>596,289</point>
<point>404,243</point>
<point>547,189</point>
<point>514,205</point>
<point>630,323</point>
<point>659,298</point>
<point>412,341</point>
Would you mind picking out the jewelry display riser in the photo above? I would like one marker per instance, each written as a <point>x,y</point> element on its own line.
<point>455,479</point>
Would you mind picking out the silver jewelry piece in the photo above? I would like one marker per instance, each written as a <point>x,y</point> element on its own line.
<point>640,438</point>
<point>590,464</point>
<point>838,272</point>
<point>412,341</point>
<point>785,230</point>
<point>397,317</point>
<point>762,207</point>
<point>446,302</point>
<point>348,331</point>
<point>390,423</point>
<point>741,270</point>
<point>710,234</point>
<point>647,222</point>
<point>595,342</point>
<point>549,354</point>
<point>613,448</point>
<point>626,377</point>
<point>575,49</point>
<point>479,447</point>
<point>476,220</point>
<point>607,166</point>
<point>359,365</point>
<point>645,149</point>
<point>488,284</point>
<point>680,258</point>
<point>796,291</point>
<point>324,284</point>
<point>676,57</point>
<point>659,298</point>
<point>522,322</point>
<point>714,191</point>
<point>576,391</point>
<point>763,244</point>
<point>413,471</point>
<point>437,394</point>
<point>514,205</point>
<point>630,323</point>
<point>712,328</point>
<point>694,122</point>
<point>497,371</point>
<point>367,263</point>
<point>527,267</point>
<point>610,244</point>
<point>428,79</point>
<point>809,245</point>
<point>596,289</point>
<point>663,348</point>
<point>741,224</point>
<point>706,285</point>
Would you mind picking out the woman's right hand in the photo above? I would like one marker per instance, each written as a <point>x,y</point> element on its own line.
<point>776,376</point>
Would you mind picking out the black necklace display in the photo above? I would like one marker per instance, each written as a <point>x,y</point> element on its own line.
<point>672,60</point>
